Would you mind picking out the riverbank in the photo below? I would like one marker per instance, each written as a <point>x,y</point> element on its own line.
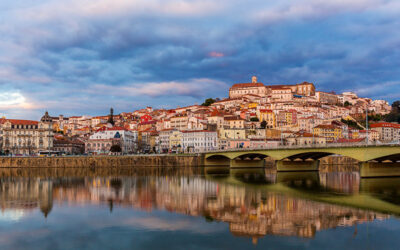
<point>102,161</point>
<point>328,164</point>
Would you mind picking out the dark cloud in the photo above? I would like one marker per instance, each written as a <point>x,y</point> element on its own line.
<point>80,57</point>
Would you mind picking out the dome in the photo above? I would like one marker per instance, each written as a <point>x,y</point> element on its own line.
<point>46,118</point>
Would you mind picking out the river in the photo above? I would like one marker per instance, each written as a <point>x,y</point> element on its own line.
<point>196,208</point>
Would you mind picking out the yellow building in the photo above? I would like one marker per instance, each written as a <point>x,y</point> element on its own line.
<point>268,116</point>
<point>330,132</point>
<point>175,140</point>
<point>251,105</point>
<point>233,122</point>
<point>272,134</point>
<point>232,134</point>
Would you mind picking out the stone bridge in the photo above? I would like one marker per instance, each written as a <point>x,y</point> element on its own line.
<point>375,160</point>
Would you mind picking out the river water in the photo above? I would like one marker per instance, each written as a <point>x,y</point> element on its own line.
<point>196,208</point>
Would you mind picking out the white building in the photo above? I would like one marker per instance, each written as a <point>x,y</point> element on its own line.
<point>163,140</point>
<point>26,137</point>
<point>104,138</point>
<point>199,140</point>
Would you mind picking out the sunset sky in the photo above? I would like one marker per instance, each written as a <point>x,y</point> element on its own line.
<point>77,57</point>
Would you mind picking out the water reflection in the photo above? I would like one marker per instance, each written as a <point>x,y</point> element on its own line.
<point>240,197</point>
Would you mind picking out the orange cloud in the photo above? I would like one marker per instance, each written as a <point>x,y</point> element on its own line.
<point>216,54</point>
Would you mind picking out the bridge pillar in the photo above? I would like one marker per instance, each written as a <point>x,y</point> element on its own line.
<point>247,163</point>
<point>289,166</point>
<point>375,169</point>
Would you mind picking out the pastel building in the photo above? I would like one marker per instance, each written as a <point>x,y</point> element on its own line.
<point>199,140</point>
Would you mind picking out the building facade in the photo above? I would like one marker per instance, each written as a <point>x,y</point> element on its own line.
<point>26,137</point>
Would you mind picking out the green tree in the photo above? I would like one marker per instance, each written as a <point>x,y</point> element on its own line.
<point>346,103</point>
<point>263,124</point>
<point>116,148</point>
<point>394,115</point>
<point>208,102</point>
<point>254,119</point>
<point>351,123</point>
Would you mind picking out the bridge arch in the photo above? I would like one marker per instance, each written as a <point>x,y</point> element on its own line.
<point>309,156</point>
<point>359,153</point>
<point>217,157</point>
<point>391,157</point>
<point>251,156</point>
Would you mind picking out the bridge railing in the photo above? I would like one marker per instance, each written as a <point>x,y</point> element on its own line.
<point>309,146</point>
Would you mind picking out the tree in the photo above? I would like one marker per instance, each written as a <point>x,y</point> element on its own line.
<point>347,103</point>
<point>394,115</point>
<point>351,123</point>
<point>208,102</point>
<point>116,148</point>
<point>254,119</point>
<point>263,124</point>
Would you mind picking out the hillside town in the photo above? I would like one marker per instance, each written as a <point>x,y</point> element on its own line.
<point>254,115</point>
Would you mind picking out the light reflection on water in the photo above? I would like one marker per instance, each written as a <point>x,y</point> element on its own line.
<point>203,207</point>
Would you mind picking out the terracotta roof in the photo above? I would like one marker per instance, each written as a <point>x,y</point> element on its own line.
<point>196,131</point>
<point>266,110</point>
<point>279,86</point>
<point>304,134</point>
<point>149,122</point>
<point>22,122</point>
<point>344,140</point>
<point>215,112</point>
<point>111,129</point>
<point>385,124</point>
<point>247,85</point>
<point>324,126</point>
<point>232,118</point>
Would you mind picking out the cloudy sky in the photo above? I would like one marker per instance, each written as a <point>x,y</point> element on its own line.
<point>83,56</point>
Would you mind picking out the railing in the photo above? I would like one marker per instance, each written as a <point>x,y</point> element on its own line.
<point>310,146</point>
<point>271,147</point>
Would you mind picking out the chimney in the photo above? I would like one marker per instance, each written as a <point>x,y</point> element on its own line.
<point>254,79</point>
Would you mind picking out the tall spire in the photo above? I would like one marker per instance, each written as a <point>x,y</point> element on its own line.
<point>111,117</point>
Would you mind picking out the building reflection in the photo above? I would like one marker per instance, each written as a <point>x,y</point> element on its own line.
<point>249,210</point>
<point>26,194</point>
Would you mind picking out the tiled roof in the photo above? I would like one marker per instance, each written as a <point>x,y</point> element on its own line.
<point>344,140</point>
<point>247,85</point>
<point>232,118</point>
<point>22,122</point>
<point>196,131</point>
<point>149,122</point>
<point>323,126</point>
<point>111,129</point>
<point>385,124</point>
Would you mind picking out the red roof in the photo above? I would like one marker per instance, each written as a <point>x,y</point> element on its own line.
<point>22,122</point>
<point>343,140</point>
<point>385,125</point>
<point>266,110</point>
<point>247,85</point>
<point>195,131</point>
<point>111,129</point>
<point>215,112</point>
<point>232,118</point>
<point>149,122</point>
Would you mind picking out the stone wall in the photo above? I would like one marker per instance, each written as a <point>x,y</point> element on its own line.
<point>101,161</point>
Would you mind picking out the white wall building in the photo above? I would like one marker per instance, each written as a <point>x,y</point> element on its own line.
<point>199,140</point>
<point>128,138</point>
